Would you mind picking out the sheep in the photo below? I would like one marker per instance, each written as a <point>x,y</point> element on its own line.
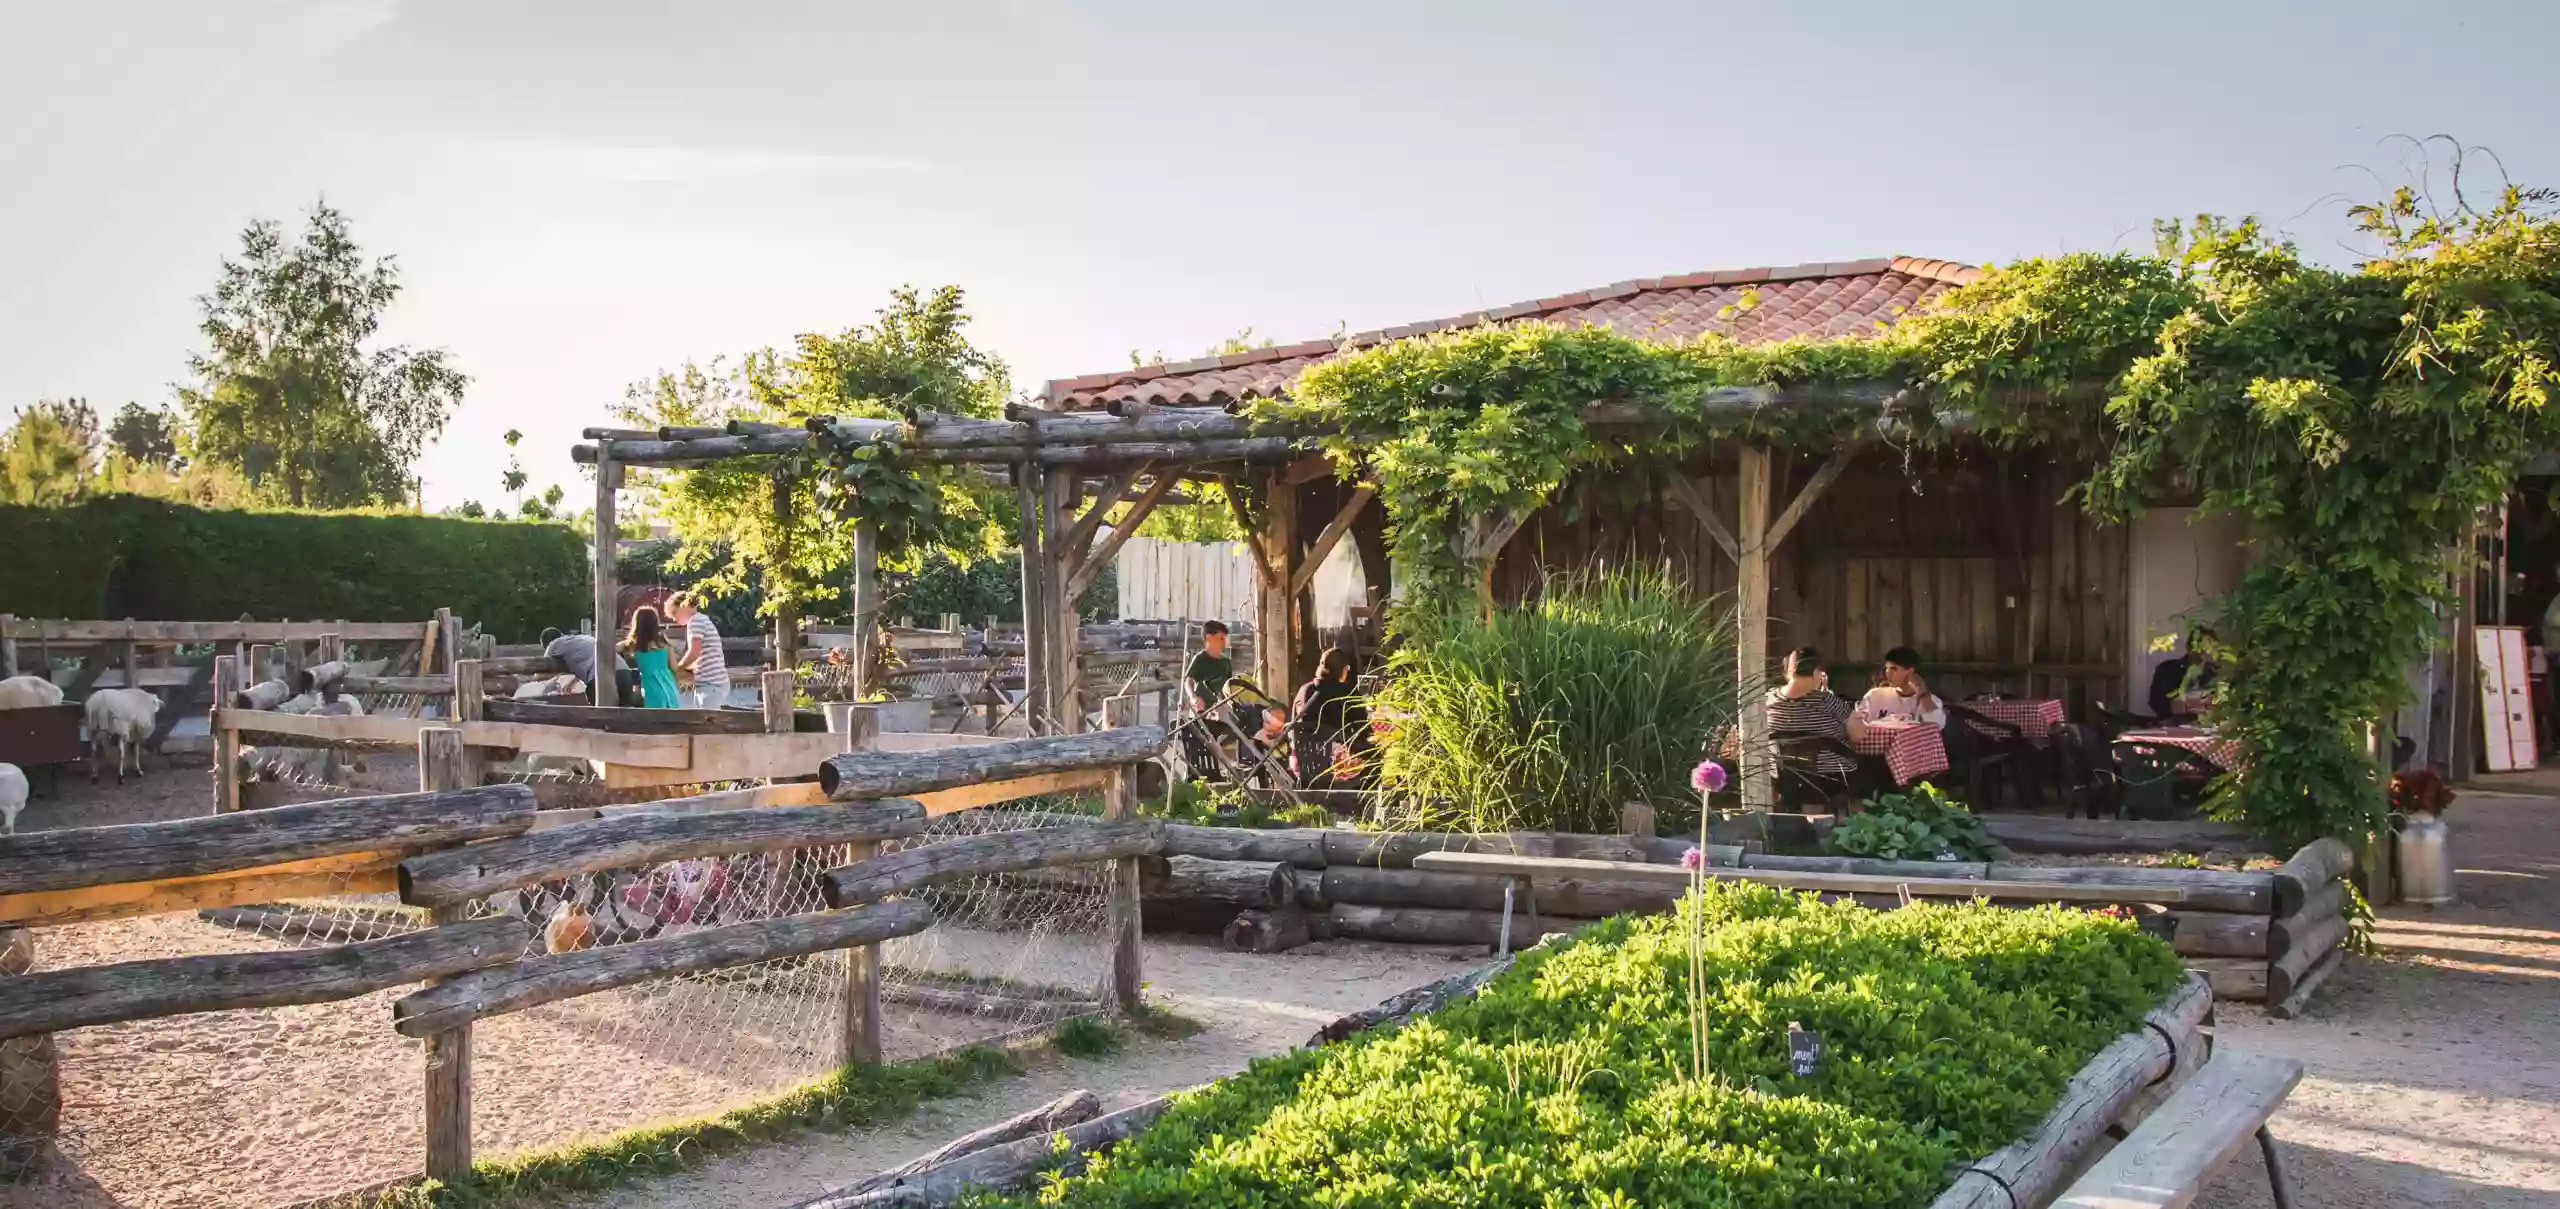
<point>124,717</point>
<point>563,685</point>
<point>13,796</point>
<point>26,692</point>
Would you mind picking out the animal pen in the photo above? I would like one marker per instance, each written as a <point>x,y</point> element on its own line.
<point>213,991</point>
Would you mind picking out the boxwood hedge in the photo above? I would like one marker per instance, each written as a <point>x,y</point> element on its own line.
<point>1949,1031</point>
<point>126,556</point>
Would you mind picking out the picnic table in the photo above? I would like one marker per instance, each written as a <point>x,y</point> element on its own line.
<point>2223,753</point>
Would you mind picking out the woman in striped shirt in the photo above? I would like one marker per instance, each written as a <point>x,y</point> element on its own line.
<point>703,656</point>
<point>1805,705</point>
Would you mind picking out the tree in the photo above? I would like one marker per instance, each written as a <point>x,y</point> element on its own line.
<point>50,455</point>
<point>289,392</point>
<point>146,436</point>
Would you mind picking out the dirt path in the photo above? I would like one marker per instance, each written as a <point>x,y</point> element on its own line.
<point>2433,1072</point>
<point>1252,1007</point>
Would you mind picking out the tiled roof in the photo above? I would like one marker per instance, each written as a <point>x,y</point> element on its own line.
<point>1837,299</point>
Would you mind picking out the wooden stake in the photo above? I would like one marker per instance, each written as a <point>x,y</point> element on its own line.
<point>226,742</point>
<point>444,763</point>
<point>858,1035</point>
<point>1120,801</point>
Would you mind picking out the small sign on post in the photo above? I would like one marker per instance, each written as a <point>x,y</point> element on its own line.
<point>1804,1050</point>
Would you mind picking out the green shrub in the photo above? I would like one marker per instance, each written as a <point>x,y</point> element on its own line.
<point>1949,1031</point>
<point>1555,713</point>
<point>1922,824</point>
<point>126,556</point>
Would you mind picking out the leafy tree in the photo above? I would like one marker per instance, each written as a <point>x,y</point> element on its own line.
<point>50,455</point>
<point>291,391</point>
<point>145,436</point>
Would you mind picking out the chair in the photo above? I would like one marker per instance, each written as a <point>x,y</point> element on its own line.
<point>2155,789</point>
<point>2083,777</point>
<point>2115,721</point>
<point>1801,776</point>
<point>1984,751</point>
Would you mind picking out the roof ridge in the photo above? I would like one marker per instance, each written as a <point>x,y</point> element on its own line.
<point>1945,271</point>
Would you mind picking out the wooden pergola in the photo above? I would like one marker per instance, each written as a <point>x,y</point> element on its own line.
<point>1070,469</point>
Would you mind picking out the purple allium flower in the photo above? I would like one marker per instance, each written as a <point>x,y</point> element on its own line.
<point>1707,777</point>
<point>1693,859</point>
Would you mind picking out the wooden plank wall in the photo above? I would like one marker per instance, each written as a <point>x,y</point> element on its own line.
<point>1968,557</point>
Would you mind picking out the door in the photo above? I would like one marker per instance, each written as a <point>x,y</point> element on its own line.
<point>2506,700</point>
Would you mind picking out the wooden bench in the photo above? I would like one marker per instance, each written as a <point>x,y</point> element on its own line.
<point>2167,1158</point>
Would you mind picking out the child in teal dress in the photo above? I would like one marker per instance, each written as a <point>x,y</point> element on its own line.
<point>646,647</point>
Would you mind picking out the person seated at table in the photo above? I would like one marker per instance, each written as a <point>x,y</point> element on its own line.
<point>1904,695</point>
<point>1805,705</point>
<point>1332,726</point>
<point>2180,687</point>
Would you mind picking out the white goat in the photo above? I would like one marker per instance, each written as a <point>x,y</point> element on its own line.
<point>123,717</point>
<point>565,684</point>
<point>13,796</point>
<point>22,692</point>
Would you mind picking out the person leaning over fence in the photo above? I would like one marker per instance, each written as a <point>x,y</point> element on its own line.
<point>577,653</point>
<point>646,646</point>
<point>703,655</point>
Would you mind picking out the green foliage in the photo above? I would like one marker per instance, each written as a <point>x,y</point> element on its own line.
<point>1219,804</point>
<point>1554,713</point>
<point>1948,1032</point>
<point>50,454</point>
<point>145,436</point>
<point>290,396</point>
<point>122,556</point>
<point>1922,824</point>
<point>1086,1037</point>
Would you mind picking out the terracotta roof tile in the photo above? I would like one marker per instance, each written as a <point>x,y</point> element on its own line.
<point>1844,298</point>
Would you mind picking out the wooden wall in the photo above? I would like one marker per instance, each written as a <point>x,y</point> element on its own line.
<point>1968,557</point>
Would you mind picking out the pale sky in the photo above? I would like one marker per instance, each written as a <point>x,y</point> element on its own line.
<point>580,194</point>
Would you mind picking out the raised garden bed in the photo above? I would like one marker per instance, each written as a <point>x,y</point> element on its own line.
<point>1954,1038</point>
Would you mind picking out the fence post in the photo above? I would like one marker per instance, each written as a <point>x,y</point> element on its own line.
<point>444,763</point>
<point>260,668</point>
<point>1120,801</point>
<point>469,697</point>
<point>858,1038</point>
<point>226,741</point>
<point>1636,819</point>
<point>9,649</point>
<point>439,652</point>
<point>332,648</point>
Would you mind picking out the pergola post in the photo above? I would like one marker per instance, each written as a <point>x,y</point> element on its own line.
<point>1035,618</point>
<point>608,592</point>
<point>1751,629</point>
<point>1275,595</point>
<point>1058,491</point>
<point>786,616</point>
<point>866,607</point>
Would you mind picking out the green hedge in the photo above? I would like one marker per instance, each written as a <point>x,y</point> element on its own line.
<point>1947,1030</point>
<point>127,556</point>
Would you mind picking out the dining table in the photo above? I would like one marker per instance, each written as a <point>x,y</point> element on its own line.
<point>1911,749</point>
<point>2223,753</point>
<point>2033,716</point>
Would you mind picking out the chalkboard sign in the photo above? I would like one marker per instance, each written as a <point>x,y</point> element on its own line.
<point>1804,1049</point>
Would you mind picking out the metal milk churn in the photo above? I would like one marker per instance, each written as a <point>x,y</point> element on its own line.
<point>2425,847</point>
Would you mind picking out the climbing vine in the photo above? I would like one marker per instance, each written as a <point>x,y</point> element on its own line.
<point>2357,420</point>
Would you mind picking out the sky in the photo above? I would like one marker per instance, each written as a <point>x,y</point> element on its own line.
<point>582,194</point>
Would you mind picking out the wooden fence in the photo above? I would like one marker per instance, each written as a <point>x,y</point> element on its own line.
<point>414,845</point>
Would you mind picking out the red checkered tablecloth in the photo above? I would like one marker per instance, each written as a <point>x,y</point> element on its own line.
<point>1911,750</point>
<point>2032,717</point>
<point>2225,753</point>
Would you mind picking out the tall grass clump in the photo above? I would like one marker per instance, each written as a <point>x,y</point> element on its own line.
<point>1553,713</point>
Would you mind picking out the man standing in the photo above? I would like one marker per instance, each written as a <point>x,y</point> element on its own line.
<point>703,655</point>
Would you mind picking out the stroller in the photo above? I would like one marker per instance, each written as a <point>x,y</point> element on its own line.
<point>1235,720</point>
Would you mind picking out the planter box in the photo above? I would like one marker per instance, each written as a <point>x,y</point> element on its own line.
<point>908,716</point>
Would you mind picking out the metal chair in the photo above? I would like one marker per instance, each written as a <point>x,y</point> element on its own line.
<point>2156,788</point>
<point>1802,777</point>
<point>1986,751</point>
<point>2083,776</point>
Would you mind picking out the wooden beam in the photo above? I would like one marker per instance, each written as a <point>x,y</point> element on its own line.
<point>867,624</point>
<point>200,633</point>
<point>987,793</point>
<point>577,743</point>
<point>1066,713</point>
<point>1091,566</point>
<point>1812,490</point>
<point>1122,980</point>
<point>444,762</point>
<point>1027,495</point>
<point>76,857</point>
<point>2125,891</point>
<point>549,978</point>
<point>458,875</point>
<point>608,593</point>
<point>1247,527</point>
<point>1307,469</point>
<point>859,775</point>
<point>626,720</point>
<point>2167,1159</point>
<point>1751,627</point>
<point>348,873</point>
<point>1080,534</point>
<point>226,742</point>
<point>911,869</point>
<point>55,1000</point>
<point>1686,494</point>
<point>731,758</point>
<point>1331,537</point>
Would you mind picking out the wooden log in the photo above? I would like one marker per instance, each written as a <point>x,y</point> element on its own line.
<point>985,1003</point>
<point>1191,879</point>
<point>2206,889</point>
<point>2302,950</point>
<point>458,875</point>
<point>1124,923</point>
<point>94,856</point>
<point>2298,999</point>
<point>2217,934</point>
<point>2324,904</point>
<point>2166,1161</point>
<point>1005,1167</point>
<point>2319,863</point>
<point>1396,850</point>
<point>1302,847</point>
<point>891,774</point>
<point>1073,1108</point>
<point>323,675</point>
<point>1274,931</point>
<point>526,665</point>
<point>628,720</point>
<point>909,869</point>
<point>1440,926</point>
<point>549,978</point>
<point>858,1017</point>
<point>2237,979</point>
<point>1966,870</point>
<point>2027,1171</point>
<point>1423,1000</point>
<point>2077,890</point>
<point>266,694</point>
<point>1308,885</point>
<point>1572,897</point>
<point>349,873</point>
<point>2040,834</point>
<point>445,762</point>
<point>57,1000</point>
<point>201,633</point>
